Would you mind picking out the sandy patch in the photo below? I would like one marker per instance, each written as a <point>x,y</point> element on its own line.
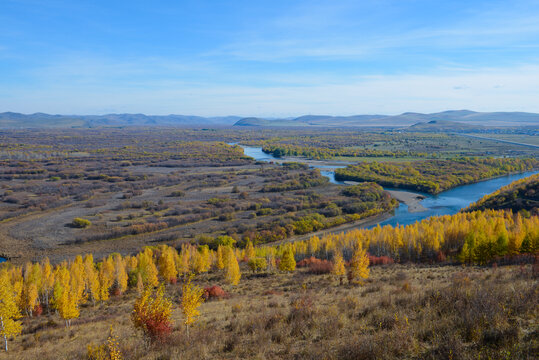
<point>409,198</point>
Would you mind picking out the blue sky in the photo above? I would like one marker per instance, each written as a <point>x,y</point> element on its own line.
<point>268,58</point>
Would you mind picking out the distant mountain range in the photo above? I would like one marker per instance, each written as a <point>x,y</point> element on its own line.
<point>41,120</point>
<point>462,118</point>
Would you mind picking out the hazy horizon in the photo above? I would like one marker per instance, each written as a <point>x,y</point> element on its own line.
<point>293,116</point>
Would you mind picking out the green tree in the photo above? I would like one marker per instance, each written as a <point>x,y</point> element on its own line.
<point>257,264</point>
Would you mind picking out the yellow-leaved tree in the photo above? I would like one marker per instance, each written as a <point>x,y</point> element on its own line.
<point>106,278</point>
<point>220,261</point>
<point>167,265</point>
<point>192,298</point>
<point>9,312</point>
<point>147,268</point>
<point>359,266</point>
<point>48,282</point>
<point>140,284</point>
<point>91,279</point>
<point>120,274</point>
<point>249,251</point>
<point>338,266</point>
<point>183,261</point>
<point>288,263</point>
<point>232,269</point>
<point>31,285</point>
<point>109,350</point>
<point>201,259</point>
<point>76,281</point>
<point>66,300</point>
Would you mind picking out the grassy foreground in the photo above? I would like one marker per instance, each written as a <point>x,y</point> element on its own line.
<point>402,311</point>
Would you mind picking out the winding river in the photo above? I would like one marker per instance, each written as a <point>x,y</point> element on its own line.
<point>445,203</point>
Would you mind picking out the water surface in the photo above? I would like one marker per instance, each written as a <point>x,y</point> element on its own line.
<point>445,203</point>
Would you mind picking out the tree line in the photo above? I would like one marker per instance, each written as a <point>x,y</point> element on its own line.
<point>281,150</point>
<point>434,176</point>
<point>520,195</point>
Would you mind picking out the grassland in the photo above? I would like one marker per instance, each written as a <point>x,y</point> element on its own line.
<point>402,311</point>
<point>532,139</point>
<point>386,145</point>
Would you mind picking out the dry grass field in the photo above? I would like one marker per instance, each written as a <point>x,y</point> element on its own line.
<point>402,311</point>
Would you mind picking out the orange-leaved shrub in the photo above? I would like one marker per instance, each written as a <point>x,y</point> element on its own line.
<point>214,292</point>
<point>380,260</point>
<point>151,314</point>
<point>316,266</point>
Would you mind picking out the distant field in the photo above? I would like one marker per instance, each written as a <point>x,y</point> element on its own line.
<point>520,138</point>
<point>383,146</point>
<point>455,145</point>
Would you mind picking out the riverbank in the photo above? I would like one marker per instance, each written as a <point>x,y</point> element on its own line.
<point>415,206</point>
<point>413,200</point>
<point>359,224</point>
<point>325,164</point>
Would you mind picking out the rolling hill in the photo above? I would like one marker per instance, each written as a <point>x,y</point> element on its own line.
<point>41,120</point>
<point>458,117</point>
<point>435,121</point>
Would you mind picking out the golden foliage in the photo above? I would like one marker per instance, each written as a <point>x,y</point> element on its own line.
<point>232,269</point>
<point>359,266</point>
<point>167,265</point>
<point>338,265</point>
<point>9,312</point>
<point>191,301</point>
<point>288,263</point>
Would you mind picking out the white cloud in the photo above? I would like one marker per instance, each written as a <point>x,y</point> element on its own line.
<point>350,31</point>
<point>492,89</point>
